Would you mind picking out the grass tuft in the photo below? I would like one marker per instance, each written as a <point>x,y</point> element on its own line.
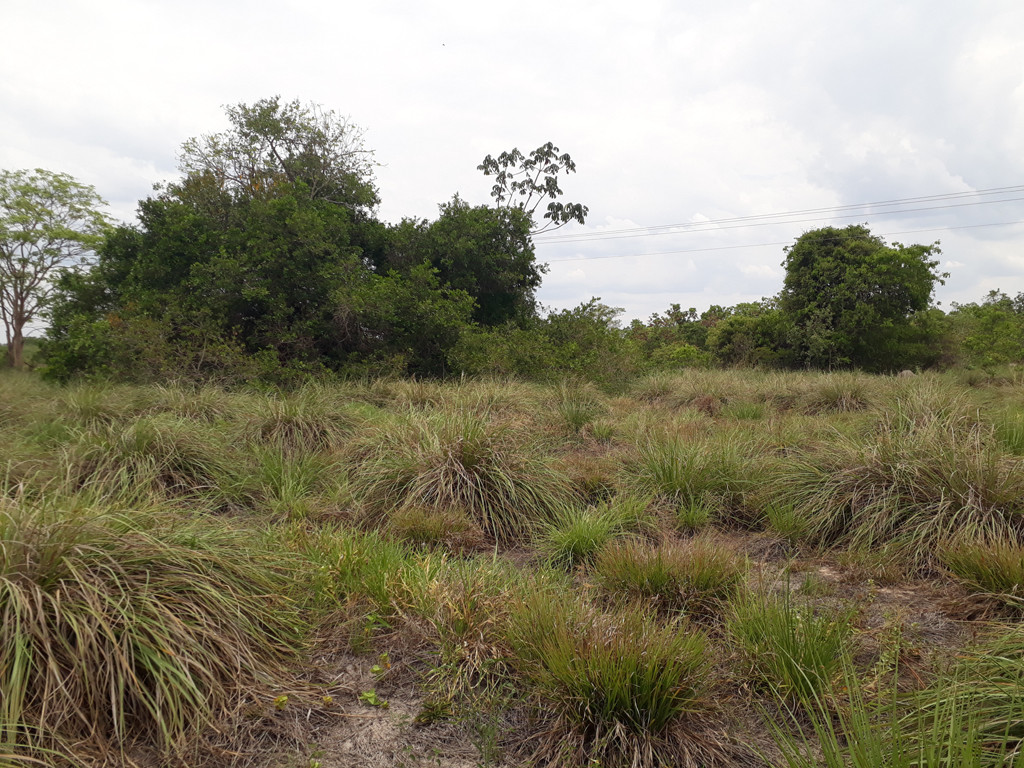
<point>620,688</point>
<point>118,631</point>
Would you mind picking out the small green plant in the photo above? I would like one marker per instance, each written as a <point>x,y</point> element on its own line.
<point>371,698</point>
<point>694,514</point>
<point>576,535</point>
<point>992,564</point>
<point>788,521</point>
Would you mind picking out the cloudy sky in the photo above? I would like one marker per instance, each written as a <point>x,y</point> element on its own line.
<point>689,122</point>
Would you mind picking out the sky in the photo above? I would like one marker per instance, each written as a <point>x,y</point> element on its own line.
<point>686,120</point>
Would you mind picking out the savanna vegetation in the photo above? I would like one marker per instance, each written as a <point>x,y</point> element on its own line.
<point>287,485</point>
<point>710,568</point>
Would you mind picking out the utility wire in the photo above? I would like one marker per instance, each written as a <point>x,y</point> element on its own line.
<point>737,222</point>
<point>765,245</point>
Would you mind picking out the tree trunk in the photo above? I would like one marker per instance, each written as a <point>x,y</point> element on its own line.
<point>16,349</point>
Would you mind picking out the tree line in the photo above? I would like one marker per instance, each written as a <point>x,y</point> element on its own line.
<point>267,262</point>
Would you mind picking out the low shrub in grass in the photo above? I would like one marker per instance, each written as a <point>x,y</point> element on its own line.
<point>788,647</point>
<point>698,576</point>
<point>990,563</point>
<point>118,631</point>
<point>621,689</point>
<point>498,476</point>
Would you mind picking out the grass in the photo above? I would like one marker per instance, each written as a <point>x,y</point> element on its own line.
<point>990,564</point>
<point>501,478</point>
<point>790,647</point>
<point>118,630</point>
<point>554,567</point>
<point>919,476</point>
<point>687,472</point>
<point>698,577</point>
<point>619,688</point>
<point>577,534</point>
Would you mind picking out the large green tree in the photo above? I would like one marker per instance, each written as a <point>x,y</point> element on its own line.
<point>851,297</point>
<point>259,262</point>
<point>48,222</point>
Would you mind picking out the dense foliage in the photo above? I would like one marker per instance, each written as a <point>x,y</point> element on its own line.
<point>266,262</point>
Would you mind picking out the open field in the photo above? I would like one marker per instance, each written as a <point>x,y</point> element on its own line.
<point>708,569</point>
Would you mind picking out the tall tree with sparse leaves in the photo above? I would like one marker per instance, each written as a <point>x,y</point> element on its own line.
<point>48,222</point>
<point>525,181</point>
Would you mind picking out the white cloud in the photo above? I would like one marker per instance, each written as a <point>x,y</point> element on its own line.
<point>674,113</point>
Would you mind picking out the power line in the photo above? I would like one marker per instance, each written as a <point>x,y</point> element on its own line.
<point>786,217</point>
<point>765,245</point>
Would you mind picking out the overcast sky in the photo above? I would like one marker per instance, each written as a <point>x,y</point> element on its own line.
<point>674,112</point>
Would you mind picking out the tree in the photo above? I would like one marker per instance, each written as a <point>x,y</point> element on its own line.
<point>48,221</point>
<point>271,142</point>
<point>525,181</point>
<point>486,252</point>
<point>851,298</point>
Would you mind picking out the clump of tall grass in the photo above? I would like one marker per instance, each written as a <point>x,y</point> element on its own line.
<point>576,534</point>
<point>1010,431</point>
<point>577,404</point>
<point>990,563</point>
<point>698,577</point>
<point>171,455</point>
<point>117,630</point>
<point>312,418</point>
<point>717,471</point>
<point>292,484</point>
<point>428,527</point>
<point>961,721</point>
<point>919,477</point>
<point>838,393</point>
<point>500,477</point>
<point>793,649</point>
<point>621,689</point>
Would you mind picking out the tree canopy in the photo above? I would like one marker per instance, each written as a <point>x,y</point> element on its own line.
<point>851,297</point>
